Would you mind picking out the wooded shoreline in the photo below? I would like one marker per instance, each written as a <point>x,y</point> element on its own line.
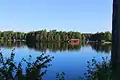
<point>54,36</point>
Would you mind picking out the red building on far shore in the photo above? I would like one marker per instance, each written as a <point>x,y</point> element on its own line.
<point>74,41</point>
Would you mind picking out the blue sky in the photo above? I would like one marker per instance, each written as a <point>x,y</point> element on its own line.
<point>66,15</point>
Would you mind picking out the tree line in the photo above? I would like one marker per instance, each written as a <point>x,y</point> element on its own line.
<point>106,36</point>
<point>12,36</point>
<point>53,36</point>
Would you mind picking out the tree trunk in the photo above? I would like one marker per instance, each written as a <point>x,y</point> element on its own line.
<point>115,57</point>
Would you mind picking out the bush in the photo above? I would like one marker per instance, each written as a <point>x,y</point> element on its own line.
<point>9,70</point>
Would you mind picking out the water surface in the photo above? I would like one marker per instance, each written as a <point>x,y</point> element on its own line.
<point>71,59</point>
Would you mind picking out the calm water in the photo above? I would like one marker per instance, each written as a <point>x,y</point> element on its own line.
<point>71,59</point>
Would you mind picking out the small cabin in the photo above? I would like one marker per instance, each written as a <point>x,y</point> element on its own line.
<point>74,41</point>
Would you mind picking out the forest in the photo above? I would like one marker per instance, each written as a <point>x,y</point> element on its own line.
<point>12,36</point>
<point>107,36</point>
<point>53,36</point>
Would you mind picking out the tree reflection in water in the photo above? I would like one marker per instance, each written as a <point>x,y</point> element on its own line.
<point>11,44</point>
<point>9,70</point>
<point>99,47</point>
<point>54,47</point>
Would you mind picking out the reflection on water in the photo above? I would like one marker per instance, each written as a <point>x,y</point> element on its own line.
<point>101,47</point>
<point>73,64</point>
<point>11,44</point>
<point>54,47</point>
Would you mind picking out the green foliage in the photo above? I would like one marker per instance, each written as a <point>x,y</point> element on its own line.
<point>52,36</point>
<point>107,36</point>
<point>95,70</point>
<point>9,70</point>
<point>12,36</point>
<point>99,70</point>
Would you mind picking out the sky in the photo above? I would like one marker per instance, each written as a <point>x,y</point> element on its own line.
<point>63,15</point>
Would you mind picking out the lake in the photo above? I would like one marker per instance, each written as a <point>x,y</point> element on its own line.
<point>70,59</point>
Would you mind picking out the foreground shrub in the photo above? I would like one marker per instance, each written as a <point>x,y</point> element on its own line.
<point>34,70</point>
<point>99,70</point>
